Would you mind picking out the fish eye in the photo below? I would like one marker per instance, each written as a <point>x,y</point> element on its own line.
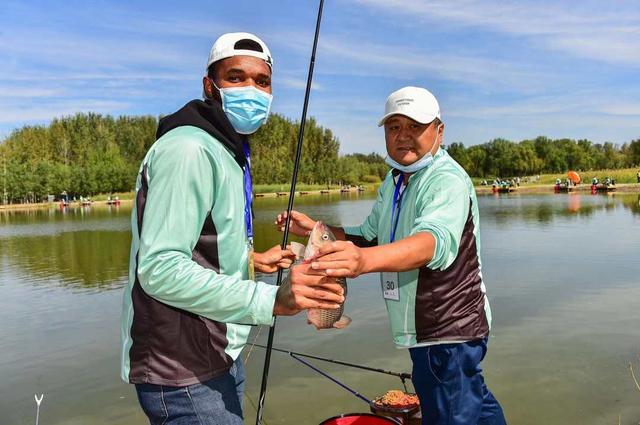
<point>325,237</point>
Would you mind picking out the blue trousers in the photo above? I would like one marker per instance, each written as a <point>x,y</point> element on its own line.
<point>217,401</point>
<point>449,383</point>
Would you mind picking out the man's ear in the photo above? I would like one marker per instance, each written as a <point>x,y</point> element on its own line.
<point>207,87</point>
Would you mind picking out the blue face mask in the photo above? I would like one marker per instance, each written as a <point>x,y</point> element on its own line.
<point>423,162</point>
<point>246,107</point>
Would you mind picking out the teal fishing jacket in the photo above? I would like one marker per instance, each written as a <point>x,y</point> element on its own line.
<point>188,305</point>
<point>445,300</point>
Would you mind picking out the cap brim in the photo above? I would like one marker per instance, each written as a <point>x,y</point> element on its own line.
<point>423,119</point>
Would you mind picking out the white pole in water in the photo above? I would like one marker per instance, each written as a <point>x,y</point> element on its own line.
<point>38,401</point>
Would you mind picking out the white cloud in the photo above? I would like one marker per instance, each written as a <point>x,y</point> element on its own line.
<point>10,91</point>
<point>38,112</point>
<point>294,83</point>
<point>588,104</point>
<point>362,137</point>
<point>92,55</point>
<point>88,77</point>
<point>621,108</point>
<point>603,32</point>
<point>406,63</point>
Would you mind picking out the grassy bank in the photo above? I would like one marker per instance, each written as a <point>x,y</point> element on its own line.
<point>123,196</point>
<point>623,175</point>
<point>625,178</point>
<point>127,197</point>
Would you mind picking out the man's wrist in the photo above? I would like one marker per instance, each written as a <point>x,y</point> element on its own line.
<point>267,300</point>
<point>369,260</point>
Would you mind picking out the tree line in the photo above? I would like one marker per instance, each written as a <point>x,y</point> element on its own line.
<point>274,147</point>
<point>504,158</point>
<point>88,154</point>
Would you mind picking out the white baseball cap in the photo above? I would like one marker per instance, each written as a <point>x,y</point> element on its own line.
<point>414,102</point>
<point>239,44</point>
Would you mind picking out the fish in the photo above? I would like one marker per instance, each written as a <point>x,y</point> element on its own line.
<point>322,319</point>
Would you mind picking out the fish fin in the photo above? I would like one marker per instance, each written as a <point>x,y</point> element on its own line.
<point>343,322</point>
<point>298,249</point>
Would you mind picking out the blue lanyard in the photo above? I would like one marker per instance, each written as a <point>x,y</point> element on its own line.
<point>397,202</point>
<point>248,192</point>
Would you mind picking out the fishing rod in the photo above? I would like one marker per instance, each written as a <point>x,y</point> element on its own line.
<point>292,191</point>
<point>402,375</point>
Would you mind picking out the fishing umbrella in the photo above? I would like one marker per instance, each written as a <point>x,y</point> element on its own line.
<point>574,177</point>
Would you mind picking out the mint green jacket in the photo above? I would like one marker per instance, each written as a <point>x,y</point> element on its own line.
<point>445,300</point>
<point>188,305</point>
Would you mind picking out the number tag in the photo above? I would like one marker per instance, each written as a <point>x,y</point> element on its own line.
<point>390,290</point>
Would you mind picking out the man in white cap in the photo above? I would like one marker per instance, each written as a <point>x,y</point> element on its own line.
<point>192,295</point>
<point>423,236</point>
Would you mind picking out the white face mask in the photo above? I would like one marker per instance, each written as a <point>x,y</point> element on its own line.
<point>424,162</point>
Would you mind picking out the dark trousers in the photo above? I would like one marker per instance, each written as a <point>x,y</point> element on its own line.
<point>449,383</point>
<point>217,401</point>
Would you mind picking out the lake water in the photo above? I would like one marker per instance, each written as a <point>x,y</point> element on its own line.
<point>562,273</point>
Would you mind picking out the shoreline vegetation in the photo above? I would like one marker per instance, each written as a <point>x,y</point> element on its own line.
<point>544,185</point>
<point>88,154</point>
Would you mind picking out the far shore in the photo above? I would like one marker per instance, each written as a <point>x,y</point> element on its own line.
<point>483,190</point>
<point>72,204</point>
<point>549,188</point>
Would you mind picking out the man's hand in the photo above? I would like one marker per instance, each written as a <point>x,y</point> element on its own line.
<point>270,260</point>
<point>300,225</point>
<point>305,288</point>
<point>340,259</point>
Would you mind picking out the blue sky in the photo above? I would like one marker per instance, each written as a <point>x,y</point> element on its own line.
<point>512,69</point>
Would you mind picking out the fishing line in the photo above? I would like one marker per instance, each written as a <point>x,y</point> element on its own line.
<point>326,375</point>
<point>401,375</point>
<point>253,344</point>
<point>292,191</point>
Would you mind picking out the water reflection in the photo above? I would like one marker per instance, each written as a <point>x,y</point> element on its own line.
<point>91,259</point>
<point>88,247</point>
<point>561,273</point>
<point>544,209</point>
<point>83,247</point>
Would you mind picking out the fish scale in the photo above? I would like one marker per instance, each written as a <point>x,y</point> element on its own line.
<point>325,319</point>
<point>322,318</point>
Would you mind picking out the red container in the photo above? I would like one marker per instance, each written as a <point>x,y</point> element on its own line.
<point>359,419</point>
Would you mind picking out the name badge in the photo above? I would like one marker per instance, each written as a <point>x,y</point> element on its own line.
<point>390,290</point>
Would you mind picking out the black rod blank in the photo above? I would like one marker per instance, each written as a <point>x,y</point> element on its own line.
<point>292,191</point>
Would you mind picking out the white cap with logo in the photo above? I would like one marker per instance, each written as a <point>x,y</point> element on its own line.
<point>239,44</point>
<point>414,102</point>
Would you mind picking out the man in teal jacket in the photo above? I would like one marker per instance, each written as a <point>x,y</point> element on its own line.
<point>423,236</point>
<point>192,297</point>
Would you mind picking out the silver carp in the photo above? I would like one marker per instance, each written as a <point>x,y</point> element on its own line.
<point>320,318</point>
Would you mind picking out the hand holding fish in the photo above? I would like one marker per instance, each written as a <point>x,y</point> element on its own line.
<point>305,288</point>
<point>270,260</point>
<point>340,259</point>
<point>300,225</point>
